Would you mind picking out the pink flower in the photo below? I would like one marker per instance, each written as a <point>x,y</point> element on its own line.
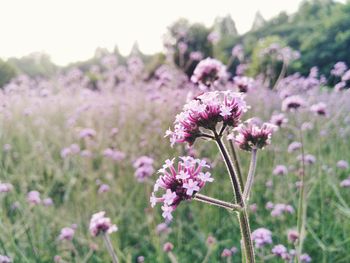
<point>308,159</point>
<point>179,188</point>
<point>319,109</point>
<point>293,235</point>
<point>305,258</point>
<point>261,237</point>
<point>345,183</point>
<point>87,133</point>
<point>280,170</point>
<point>168,247</point>
<point>208,72</point>
<point>33,197</point>
<point>279,250</point>
<point>205,112</point>
<point>279,120</point>
<point>67,233</point>
<point>226,253</point>
<point>251,136</point>
<point>293,103</point>
<point>101,224</point>
<point>243,84</point>
<point>279,209</point>
<point>342,164</point>
<point>47,202</point>
<point>196,56</point>
<point>294,146</point>
<point>103,188</point>
<point>5,187</point>
<point>5,259</point>
<point>144,168</point>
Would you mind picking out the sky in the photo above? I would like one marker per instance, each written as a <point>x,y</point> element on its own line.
<point>71,30</point>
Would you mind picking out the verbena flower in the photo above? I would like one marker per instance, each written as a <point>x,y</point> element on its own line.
<point>167,247</point>
<point>292,235</point>
<point>33,197</point>
<point>293,103</point>
<point>67,233</point>
<point>101,224</point>
<point>5,259</point>
<point>294,146</point>
<point>278,119</point>
<point>280,170</point>
<point>305,258</point>
<point>279,250</point>
<point>261,237</point>
<point>144,168</point>
<point>319,109</point>
<point>242,83</point>
<point>205,112</point>
<point>250,136</point>
<point>208,72</point>
<point>180,182</point>
<point>279,209</point>
<point>342,164</point>
<point>5,187</point>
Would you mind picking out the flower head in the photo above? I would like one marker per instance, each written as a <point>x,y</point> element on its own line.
<point>293,103</point>
<point>67,233</point>
<point>205,112</point>
<point>208,72</point>
<point>279,250</point>
<point>5,259</point>
<point>251,136</point>
<point>261,237</point>
<point>101,224</point>
<point>278,119</point>
<point>33,197</point>
<point>319,109</point>
<point>243,84</point>
<point>144,168</point>
<point>180,183</point>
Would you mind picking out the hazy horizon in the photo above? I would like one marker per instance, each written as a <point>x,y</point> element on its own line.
<point>66,31</point>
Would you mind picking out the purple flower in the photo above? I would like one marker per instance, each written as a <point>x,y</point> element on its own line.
<point>238,52</point>
<point>279,120</point>
<point>208,72</point>
<point>345,183</point>
<point>47,202</point>
<point>279,209</point>
<point>114,154</point>
<point>103,188</point>
<point>319,109</point>
<point>243,84</point>
<point>293,103</point>
<point>308,159</point>
<point>339,69</point>
<point>33,197</point>
<point>101,224</point>
<point>87,133</point>
<point>342,164</point>
<point>293,235</point>
<point>205,112</point>
<point>251,136</point>
<point>280,170</point>
<point>5,187</point>
<point>196,56</point>
<point>168,247</point>
<point>226,253</point>
<point>261,237</point>
<point>305,258</point>
<point>294,146</point>
<point>67,233</point>
<point>176,185</point>
<point>5,259</point>
<point>144,168</point>
<point>279,250</point>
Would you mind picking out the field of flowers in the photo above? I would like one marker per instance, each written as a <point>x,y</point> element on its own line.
<point>81,143</point>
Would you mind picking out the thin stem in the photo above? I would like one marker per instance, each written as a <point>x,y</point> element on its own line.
<point>110,248</point>
<point>236,163</point>
<point>250,178</point>
<point>217,202</point>
<point>242,215</point>
<point>302,200</point>
<point>234,180</point>
<point>172,257</point>
<point>223,127</point>
<point>206,135</point>
<point>281,75</point>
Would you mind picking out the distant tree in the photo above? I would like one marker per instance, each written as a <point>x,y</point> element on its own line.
<point>7,72</point>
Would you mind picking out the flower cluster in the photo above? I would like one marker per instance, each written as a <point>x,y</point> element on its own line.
<point>251,136</point>
<point>67,233</point>
<point>242,83</point>
<point>180,183</point>
<point>208,72</point>
<point>261,237</point>
<point>293,103</point>
<point>101,224</point>
<point>206,111</point>
<point>144,168</point>
<point>5,259</point>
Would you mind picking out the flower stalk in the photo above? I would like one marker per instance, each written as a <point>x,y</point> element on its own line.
<point>250,178</point>
<point>110,248</point>
<point>216,202</point>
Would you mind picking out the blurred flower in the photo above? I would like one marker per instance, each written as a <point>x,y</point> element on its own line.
<point>279,120</point>
<point>293,103</point>
<point>279,209</point>
<point>305,258</point>
<point>5,187</point>
<point>345,183</point>
<point>294,146</point>
<point>250,136</point>
<point>144,168</point>
<point>5,259</point>
<point>47,202</point>
<point>342,164</point>
<point>179,184</point>
<point>293,235</point>
<point>243,84</point>
<point>103,188</point>
<point>339,69</point>
<point>261,237</point>
<point>67,233</point>
<point>319,109</point>
<point>168,247</point>
<point>101,224</point>
<point>87,133</point>
<point>279,250</point>
<point>33,197</point>
<point>308,159</point>
<point>114,154</point>
<point>211,241</point>
<point>226,253</point>
<point>208,72</point>
<point>196,56</point>
<point>163,228</point>
<point>280,170</point>
<point>140,259</point>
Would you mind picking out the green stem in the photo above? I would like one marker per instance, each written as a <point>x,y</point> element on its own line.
<point>242,215</point>
<point>217,202</point>
<point>236,163</point>
<point>110,248</point>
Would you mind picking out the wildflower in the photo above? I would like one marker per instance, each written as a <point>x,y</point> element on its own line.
<point>114,154</point>
<point>57,259</point>
<point>179,188</point>
<point>87,133</point>
<point>250,136</point>
<point>103,188</point>
<point>33,197</point>
<point>261,237</point>
<point>319,109</point>
<point>67,233</point>
<point>144,168</point>
<point>280,170</point>
<point>308,159</point>
<point>242,83</point>
<point>345,183</point>
<point>205,112</point>
<point>293,103</point>
<point>279,209</point>
<point>339,69</point>
<point>294,146</point>
<point>342,164</point>
<point>307,126</point>
<point>269,205</point>
<point>211,241</point>
<point>101,224</point>
<point>140,259</point>
<point>278,120</point>
<point>340,86</point>
<point>162,228</point>
<point>168,247</point>
<point>238,52</point>
<point>196,56</point>
<point>208,72</point>
<point>5,259</point>
<point>293,235</point>
<point>5,187</point>
<point>226,253</point>
<point>47,202</point>
<point>279,250</point>
<point>305,258</point>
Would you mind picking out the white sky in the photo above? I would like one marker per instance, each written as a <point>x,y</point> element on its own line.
<point>70,30</point>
